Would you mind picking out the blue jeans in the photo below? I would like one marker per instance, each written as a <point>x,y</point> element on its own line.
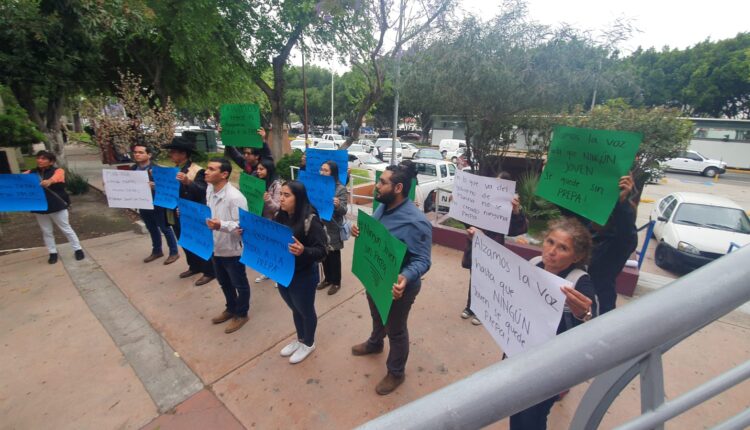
<point>233,280</point>
<point>300,297</point>
<point>156,223</point>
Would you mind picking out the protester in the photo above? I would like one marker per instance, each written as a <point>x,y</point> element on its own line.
<point>156,218</point>
<point>192,187</point>
<point>271,198</point>
<point>225,202</point>
<point>518,225</point>
<point>308,249</point>
<point>249,158</point>
<point>52,180</point>
<point>613,245</point>
<point>332,263</point>
<point>565,251</point>
<point>407,223</point>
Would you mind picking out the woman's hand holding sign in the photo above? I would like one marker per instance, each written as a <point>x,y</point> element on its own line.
<point>296,248</point>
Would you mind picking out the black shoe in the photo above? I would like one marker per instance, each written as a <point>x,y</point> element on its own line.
<point>79,254</point>
<point>52,258</point>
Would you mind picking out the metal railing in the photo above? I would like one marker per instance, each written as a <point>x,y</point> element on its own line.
<point>618,345</point>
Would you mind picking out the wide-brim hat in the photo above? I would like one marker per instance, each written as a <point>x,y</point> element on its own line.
<point>181,144</point>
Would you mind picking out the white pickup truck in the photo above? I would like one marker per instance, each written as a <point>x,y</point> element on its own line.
<point>337,139</point>
<point>431,175</point>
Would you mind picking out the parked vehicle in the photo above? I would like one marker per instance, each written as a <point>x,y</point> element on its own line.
<point>356,147</point>
<point>335,138</point>
<point>428,153</point>
<point>449,147</point>
<point>694,229</point>
<point>408,150</point>
<point>412,136</point>
<point>298,145</point>
<point>384,147</point>
<point>363,160</point>
<point>326,144</point>
<point>694,161</point>
<point>431,175</point>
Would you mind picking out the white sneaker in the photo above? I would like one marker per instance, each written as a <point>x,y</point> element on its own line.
<point>301,353</point>
<point>289,349</point>
<point>260,279</point>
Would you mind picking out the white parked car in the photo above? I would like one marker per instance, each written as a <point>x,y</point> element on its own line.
<point>431,175</point>
<point>384,145</point>
<point>449,148</point>
<point>326,144</point>
<point>408,150</point>
<point>363,160</point>
<point>694,161</point>
<point>356,147</point>
<point>298,145</point>
<point>694,229</point>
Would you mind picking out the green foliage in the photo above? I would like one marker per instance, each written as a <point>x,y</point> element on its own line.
<point>535,207</point>
<point>15,127</point>
<point>288,160</point>
<point>75,183</point>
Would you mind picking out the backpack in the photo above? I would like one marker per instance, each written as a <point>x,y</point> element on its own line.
<point>307,223</point>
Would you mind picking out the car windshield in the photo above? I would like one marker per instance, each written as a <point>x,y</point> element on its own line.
<point>324,145</point>
<point>370,159</point>
<point>355,148</point>
<point>426,169</point>
<point>716,217</point>
<point>430,153</point>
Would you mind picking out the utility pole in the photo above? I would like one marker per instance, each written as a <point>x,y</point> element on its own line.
<point>398,81</point>
<point>304,92</point>
<point>332,102</point>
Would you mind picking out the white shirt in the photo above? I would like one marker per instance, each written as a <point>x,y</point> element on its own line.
<point>225,205</point>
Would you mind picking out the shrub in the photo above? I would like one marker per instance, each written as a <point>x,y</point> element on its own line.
<point>75,183</point>
<point>288,160</point>
<point>535,206</point>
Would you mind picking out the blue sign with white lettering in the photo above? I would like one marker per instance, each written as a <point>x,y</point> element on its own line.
<point>195,236</point>
<point>316,157</point>
<point>166,185</point>
<point>320,190</point>
<point>265,247</point>
<point>21,192</point>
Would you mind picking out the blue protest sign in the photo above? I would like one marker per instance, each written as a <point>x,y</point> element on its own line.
<point>195,236</point>
<point>316,157</point>
<point>320,190</point>
<point>265,247</point>
<point>166,185</point>
<point>21,192</point>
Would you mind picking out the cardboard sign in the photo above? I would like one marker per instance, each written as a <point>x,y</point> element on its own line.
<point>584,167</point>
<point>253,189</point>
<point>377,261</point>
<point>240,124</point>
<point>266,247</point>
<point>21,192</point>
<point>483,202</point>
<point>166,186</point>
<point>320,190</point>
<point>518,303</point>
<point>195,236</point>
<point>316,158</point>
<point>127,189</point>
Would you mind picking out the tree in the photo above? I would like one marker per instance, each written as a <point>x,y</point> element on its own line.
<point>15,127</point>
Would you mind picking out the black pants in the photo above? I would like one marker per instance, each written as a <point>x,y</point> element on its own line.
<point>468,299</point>
<point>396,328</point>
<point>300,297</point>
<point>332,267</point>
<point>533,418</point>
<point>233,280</point>
<point>195,263</point>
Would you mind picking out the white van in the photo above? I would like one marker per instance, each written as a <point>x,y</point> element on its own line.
<point>449,147</point>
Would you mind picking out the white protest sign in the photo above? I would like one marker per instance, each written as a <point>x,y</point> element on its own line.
<point>482,202</point>
<point>520,304</point>
<point>127,189</point>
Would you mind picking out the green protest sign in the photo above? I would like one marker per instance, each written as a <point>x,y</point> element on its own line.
<point>412,190</point>
<point>584,167</point>
<point>253,190</point>
<point>239,126</point>
<point>377,261</point>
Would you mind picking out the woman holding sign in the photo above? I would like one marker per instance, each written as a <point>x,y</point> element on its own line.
<point>308,249</point>
<point>272,197</point>
<point>565,251</point>
<point>332,263</point>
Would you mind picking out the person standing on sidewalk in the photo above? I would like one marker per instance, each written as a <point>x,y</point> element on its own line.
<point>308,249</point>
<point>192,187</point>
<point>408,224</point>
<point>332,263</point>
<point>272,197</point>
<point>225,202</point>
<point>52,180</point>
<point>156,218</point>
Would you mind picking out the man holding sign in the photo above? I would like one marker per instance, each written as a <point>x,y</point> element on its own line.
<point>408,224</point>
<point>225,202</point>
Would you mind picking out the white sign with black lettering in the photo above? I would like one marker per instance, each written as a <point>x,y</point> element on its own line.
<point>127,189</point>
<point>520,304</point>
<point>482,202</point>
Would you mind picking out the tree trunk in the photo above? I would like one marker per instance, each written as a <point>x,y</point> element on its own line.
<point>52,129</point>
<point>23,93</point>
<point>77,121</point>
<point>276,142</point>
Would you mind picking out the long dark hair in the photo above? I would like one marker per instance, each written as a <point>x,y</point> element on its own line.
<point>271,175</point>
<point>334,171</point>
<point>302,209</point>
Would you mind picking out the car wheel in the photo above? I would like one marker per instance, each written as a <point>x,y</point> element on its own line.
<point>662,258</point>
<point>454,160</point>
<point>444,153</point>
<point>710,172</point>
<point>429,203</point>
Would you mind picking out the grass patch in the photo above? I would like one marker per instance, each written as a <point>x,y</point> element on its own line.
<point>450,222</point>
<point>80,137</point>
<point>361,172</point>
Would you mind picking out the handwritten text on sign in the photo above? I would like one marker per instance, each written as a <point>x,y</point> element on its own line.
<point>518,303</point>
<point>127,189</point>
<point>482,202</point>
<point>584,167</point>
<point>195,236</point>
<point>240,124</point>
<point>266,247</point>
<point>166,186</point>
<point>21,192</point>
